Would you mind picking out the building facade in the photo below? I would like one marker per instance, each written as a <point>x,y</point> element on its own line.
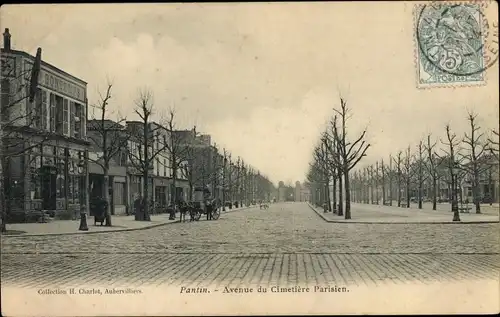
<point>44,142</point>
<point>115,137</point>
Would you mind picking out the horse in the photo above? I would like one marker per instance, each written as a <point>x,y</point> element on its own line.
<point>184,208</point>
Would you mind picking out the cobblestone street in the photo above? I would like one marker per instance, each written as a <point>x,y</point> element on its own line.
<point>286,244</point>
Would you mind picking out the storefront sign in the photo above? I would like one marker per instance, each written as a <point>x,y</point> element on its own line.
<point>59,84</point>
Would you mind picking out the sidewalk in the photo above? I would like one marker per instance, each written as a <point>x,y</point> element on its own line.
<point>120,223</point>
<point>365,213</point>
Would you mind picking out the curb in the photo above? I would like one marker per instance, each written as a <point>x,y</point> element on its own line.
<point>401,223</point>
<point>108,231</point>
<point>89,232</point>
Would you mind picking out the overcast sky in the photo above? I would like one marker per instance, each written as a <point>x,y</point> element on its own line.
<point>260,78</point>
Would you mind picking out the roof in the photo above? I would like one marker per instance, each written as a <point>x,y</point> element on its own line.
<point>54,68</point>
<point>95,124</point>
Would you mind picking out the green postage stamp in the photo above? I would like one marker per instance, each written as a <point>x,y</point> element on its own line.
<point>456,42</point>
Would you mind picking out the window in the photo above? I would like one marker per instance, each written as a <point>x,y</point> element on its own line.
<point>44,110</point>
<point>165,167</point>
<point>65,116</point>
<point>36,184</point>
<point>59,114</point>
<point>5,95</point>
<point>60,190</point>
<point>78,120</point>
<point>72,119</point>
<point>52,112</point>
<point>161,196</point>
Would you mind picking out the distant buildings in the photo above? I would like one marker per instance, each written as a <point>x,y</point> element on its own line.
<point>285,193</point>
<point>302,192</point>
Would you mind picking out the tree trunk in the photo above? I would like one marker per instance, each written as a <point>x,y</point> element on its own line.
<point>347,194</point>
<point>408,193</point>
<point>145,213</point>
<point>328,196</point>
<point>105,192</point>
<point>390,190</point>
<point>434,192</point>
<point>190,192</point>
<point>383,191</point>
<point>173,197</point>
<point>420,184</point>
<point>475,191</point>
<point>372,197</point>
<point>223,191</point>
<point>340,206</point>
<point>334,194</point>
<point>399,191</point>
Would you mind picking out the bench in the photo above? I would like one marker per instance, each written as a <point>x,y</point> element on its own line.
<point>464,209</point>
<point>403,205</point>
<point>387,203</point>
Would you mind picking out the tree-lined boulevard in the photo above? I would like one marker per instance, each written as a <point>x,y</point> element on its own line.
<point>441,168</point>
<point>288,244</point>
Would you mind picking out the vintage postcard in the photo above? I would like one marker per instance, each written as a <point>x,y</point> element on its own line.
<point>249,158</point>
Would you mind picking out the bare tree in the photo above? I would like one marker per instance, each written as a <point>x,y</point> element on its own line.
<point>399,172</point>
<point>323,166</point>
<point>350,153</point>
<point>110,139</point>
<point>329,160</point>
<point>382,176</point>
<point>146,137</point>
<point>408,174</point>
<point>390,173</point>
<point>449,158</point>
<point>421,176</point>
<point>224,183</point>
<point>432,169</point>
<point>336,165</point>
<point>196,169</point>
<point>494,144</point>
<point>372,184</point>
<point>366,185</point>
<point>477,149</point>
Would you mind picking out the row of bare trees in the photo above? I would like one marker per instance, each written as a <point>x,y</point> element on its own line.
<point>420,170</point>
<point>199,163</point>
<point>112,140</point>
<point>231,180</point>
<point>333,159</point>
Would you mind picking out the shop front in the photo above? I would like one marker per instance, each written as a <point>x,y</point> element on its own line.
<point>47,176</point>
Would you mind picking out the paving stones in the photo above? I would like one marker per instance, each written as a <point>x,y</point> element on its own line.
<point>285,244</point>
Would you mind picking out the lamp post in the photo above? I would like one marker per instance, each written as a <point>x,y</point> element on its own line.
<point>454,201</point>
<point>83,195</point>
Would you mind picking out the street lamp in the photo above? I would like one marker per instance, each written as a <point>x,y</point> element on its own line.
<point>83,199</point>
<point>454,202</point>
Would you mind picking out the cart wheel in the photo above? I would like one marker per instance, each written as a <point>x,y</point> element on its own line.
<point>197,216</point>
<point>216,214</point>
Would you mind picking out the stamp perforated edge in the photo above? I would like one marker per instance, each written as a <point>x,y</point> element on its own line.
<point>416,52</point>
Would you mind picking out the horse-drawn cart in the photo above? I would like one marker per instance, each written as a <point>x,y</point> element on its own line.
<point>203,204</point>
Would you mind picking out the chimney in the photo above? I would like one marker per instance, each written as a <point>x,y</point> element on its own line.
<point>6,40</point>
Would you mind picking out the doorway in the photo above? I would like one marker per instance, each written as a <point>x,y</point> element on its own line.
<point>48,174</point>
